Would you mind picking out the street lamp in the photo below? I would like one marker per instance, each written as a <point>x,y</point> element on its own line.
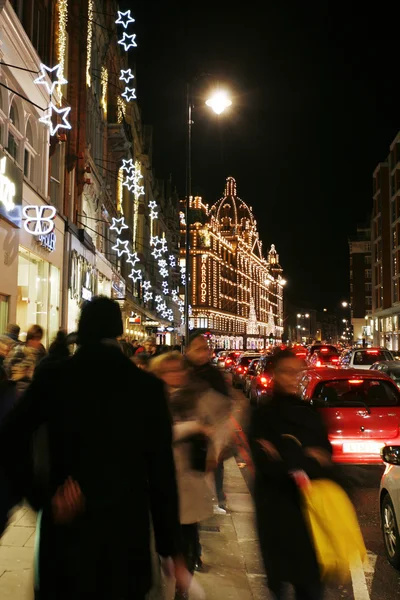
<point>218,101</point>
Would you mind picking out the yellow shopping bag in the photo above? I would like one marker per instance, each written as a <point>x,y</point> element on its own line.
<point>334,527</point>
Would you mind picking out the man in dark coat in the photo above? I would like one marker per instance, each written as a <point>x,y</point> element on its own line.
<point>286,435</point>
<point>118,453</point>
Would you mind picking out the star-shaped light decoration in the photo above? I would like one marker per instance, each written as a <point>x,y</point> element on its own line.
<point>126,75</point>
<point>170,314</point>
<point>129,94</point>
<point>162,263</point>
<point>135,275</point>
<point>172,260</point>
<point>133,259</point>
<point>129,182</point>
<point>152,204</point>
<point>146,285</point>
<point>165,287</point>
<point>118,225</point>
<point>156,253</point>
<point>154,240</point>
<point>130,44</point>
<point>47,120</point>
<point>139,190</point>
<point>124,18</point>
<point>121,247</point>
<point>153,214</point>
<point>158,299</point>
<point>164,272</point>
<point>147,296</point>
<point>127,165</point>
<point>41,80</point>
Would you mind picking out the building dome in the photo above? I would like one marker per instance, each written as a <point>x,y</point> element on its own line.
<point>231,209</point>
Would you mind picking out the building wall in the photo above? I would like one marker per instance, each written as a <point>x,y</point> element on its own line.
<point>361,287</point>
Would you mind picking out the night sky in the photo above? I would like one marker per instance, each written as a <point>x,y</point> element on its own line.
<point>315,108</point>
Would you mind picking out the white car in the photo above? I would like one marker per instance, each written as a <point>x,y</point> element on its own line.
<point>363,358</point>
<point>390,503</point>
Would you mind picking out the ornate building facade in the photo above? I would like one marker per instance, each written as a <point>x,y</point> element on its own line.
<point>236,292</point>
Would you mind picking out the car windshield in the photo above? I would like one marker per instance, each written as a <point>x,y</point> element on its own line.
<point>246,360</point>
<point>343,392</point>
<point>326,357</point>
<point>369,357</point>
<point>324,349</point>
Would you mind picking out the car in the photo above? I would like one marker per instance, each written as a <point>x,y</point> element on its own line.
<point>389,367</point>
<point>389,502</point>
<point>363,358</point>
<point>324,358</point>
<point>241,367</point>
<point>251,371</point>
<point>219,360</point>
<point>329,348</point>
<point>231,359</point>
<point>361,410</point>
<point>261,384</point>
<point>300,352</point>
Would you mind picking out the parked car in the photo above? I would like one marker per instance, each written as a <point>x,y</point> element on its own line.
<point>231,359</point>
<point>324,358</point>
<point>241,367</point>
<point>251,371</point>
<point>390,503</point>
<point>261,384</point>
<point>390,368</point>
<point>363,358</point>
<point>219,360</point>
<point>361,410</point>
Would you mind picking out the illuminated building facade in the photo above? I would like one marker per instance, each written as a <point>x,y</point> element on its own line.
<point>236,292</point>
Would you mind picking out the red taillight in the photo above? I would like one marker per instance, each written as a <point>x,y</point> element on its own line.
<point>324,350</point>
<point>318,363</point>
<point>335,360</point>
<point>372,351</point>
<point>264,381</point>
<point>221,358</point>
<point>239,369</point>
<point>228,361</point>
<point>356,381</point>
<point>298,354</point>
<point>245,369</point>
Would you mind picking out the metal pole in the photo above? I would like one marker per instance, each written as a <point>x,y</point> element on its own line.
<point>187,211</point>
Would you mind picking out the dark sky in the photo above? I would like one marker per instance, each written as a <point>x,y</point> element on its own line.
<point>316,105</point>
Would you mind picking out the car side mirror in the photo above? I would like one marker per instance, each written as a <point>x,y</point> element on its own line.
<point>391,455</point>
<point>318,402</point>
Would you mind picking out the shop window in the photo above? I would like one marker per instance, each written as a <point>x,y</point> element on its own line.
<point>29,157</point>
<point>38,297</point>
<point>13,142</point>
<point>56,178</point>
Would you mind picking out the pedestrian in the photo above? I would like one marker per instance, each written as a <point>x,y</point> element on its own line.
<point>193,451</point>
<point>59,350</point>
<point>141,360</point>
<point>286,436</point>
<point>111,467</point>
<point>23,359</point>
<point>8,341</point>
<point>198,355</point>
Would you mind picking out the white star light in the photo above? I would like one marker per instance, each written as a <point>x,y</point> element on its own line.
<point>154,240</point>
<point>165,287</point>
<point>41,80</point>
<point>127,165</point>
<point>133,259</point>
<point>124,18</point>
<point>162,263</point>
<point>129,94</point>
<point>130,44</point>
<point>135,275</point>
<point>60,111</point>
<point>147,296</point>
<point>129,183</point>
<point>139,190</point>
<point>153,214</point>
<point>118,245</point>
<point>118,225</point>
<point>172,260</point>
<point>158,299</point>
<point>126,75</point>
<point>164,272</point>
<point>152,204</point>
<point>146,285</point>
<point>156,253</point>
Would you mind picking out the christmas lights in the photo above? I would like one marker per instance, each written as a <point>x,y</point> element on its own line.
<point>133,259</point>
<point>147,296</point>
<point>127,165</point>
<point>128,44</point>
<point>47,120</point>
<point>118,225</point>
<point>153,214</point>
<point>89,43</point>
<point>42,79</point>
<point>164,273</point>
<point>129,94</point>
<point>121,247</point>
<point>152,204</point>
<point>135,275</point>
<point>62,37</point>
<point>146,285</point>
<point>156,253</point>
<point>124,18</point>
<point>126,75</point>
<point>158,299</point>
<point>104,87</point>
<point>121,109</point>
<point>172,261</point>
<point>164,286</point>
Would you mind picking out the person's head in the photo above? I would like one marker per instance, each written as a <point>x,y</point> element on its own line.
<point>59,346</point>
<point>150,345</point>
<point>141,360</point>
<point>100,319</point>
<point>198,351</point>
<point>34,336</point>
<point>13,330</point>
<point>286,369</point>
<point>171,368</point>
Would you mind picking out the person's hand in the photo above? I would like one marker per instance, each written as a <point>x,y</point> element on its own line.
<point>68,502</point>
<point>321,455</point>
<point>182,576</point>
<point>270,449</point>
<point>207,430</point>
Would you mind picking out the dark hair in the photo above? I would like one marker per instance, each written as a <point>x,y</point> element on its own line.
<point>278,357</point>
<point>35,332</point>
<point>59,346</point>
<point>194,337</point>
<point>100,319</point>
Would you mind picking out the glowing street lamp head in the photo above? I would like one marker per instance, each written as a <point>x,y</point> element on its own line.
<point>219,101</point>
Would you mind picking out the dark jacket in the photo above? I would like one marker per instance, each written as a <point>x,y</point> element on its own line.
<point>212,376</point>
<point>119,451</point>
<point>284,539</point>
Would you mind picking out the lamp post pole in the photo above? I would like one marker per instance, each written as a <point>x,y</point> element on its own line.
<point>187,209</point>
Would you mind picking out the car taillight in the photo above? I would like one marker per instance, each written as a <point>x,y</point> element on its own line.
<point>239,369</point>
<point>221,358</point>
<point>372,351</point>
<point>356,381</point>
<point>324,350</point>
<point>228,361</point>
<point>335,360</point>
<point>245,369</point>
<point>318,363</point>
<point>264,381</point>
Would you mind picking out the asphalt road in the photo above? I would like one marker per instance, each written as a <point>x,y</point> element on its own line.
<point>377,580</point>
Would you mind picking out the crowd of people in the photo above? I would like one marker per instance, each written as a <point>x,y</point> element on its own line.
<point>97,425</point>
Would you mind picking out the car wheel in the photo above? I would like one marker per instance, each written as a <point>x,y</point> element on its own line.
<point>390,532</point>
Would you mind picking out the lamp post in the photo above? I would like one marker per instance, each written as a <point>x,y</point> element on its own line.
<point>218,102</point>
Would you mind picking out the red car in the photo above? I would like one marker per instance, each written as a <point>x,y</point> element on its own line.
<point>361,410</point>
<point>324,358</point>
<point>231,359</point>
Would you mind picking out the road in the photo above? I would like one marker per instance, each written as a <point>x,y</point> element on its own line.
<point>377,580</point>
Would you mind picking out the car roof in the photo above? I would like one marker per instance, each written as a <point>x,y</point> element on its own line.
<point>341,374</point>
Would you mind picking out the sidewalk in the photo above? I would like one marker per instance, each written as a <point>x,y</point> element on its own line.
<point>233,569</point>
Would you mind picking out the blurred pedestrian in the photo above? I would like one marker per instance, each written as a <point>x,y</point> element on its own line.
<point>59,350</point>
<point>141,360</point>
<point>108,457</point>
<point>8,341</point>
<point>198,355</point>
<point>23,359</point>
<point>287,436</point>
